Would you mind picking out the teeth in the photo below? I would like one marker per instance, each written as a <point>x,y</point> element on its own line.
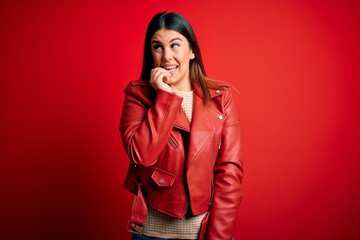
<point>170,68</point>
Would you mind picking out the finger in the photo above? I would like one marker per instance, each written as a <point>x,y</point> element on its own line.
<point>157,76</point>
<point>155,73</point>
<point>167,77</point>
<point>160,75</point>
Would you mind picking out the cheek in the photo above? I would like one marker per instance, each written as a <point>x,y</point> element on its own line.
<point>185,59</point>
<point>157,59</point>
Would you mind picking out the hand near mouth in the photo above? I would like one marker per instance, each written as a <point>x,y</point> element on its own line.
<point>159,79</point>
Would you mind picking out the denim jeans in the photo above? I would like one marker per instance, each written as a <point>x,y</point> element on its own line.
<point>136,236</point>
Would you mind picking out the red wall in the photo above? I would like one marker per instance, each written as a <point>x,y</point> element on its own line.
<point>63,69</point>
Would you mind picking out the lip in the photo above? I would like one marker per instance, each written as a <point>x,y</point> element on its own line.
<point>170,68</point>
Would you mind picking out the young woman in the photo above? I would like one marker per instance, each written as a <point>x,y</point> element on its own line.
<point>181,132</point>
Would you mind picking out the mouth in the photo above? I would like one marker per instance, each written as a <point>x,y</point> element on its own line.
<point>171,68</point>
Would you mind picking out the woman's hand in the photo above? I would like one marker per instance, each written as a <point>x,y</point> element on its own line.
<point>158,78</point>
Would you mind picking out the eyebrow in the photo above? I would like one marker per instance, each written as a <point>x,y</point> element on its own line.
<point>174,39</point>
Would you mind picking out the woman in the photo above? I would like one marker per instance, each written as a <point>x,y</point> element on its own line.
<point>181,132</point>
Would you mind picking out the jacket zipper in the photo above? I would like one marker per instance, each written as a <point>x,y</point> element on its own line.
<point>172,142</point>
<point>212,173</point>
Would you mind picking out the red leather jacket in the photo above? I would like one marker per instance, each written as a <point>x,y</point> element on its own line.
<point>183,167</point>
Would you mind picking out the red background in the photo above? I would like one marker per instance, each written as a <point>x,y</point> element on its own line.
<point>63,69</point>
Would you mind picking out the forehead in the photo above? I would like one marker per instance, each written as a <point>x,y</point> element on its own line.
<point>166,35</point>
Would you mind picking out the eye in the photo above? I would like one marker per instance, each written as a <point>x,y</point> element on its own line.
<point>157,47</point>
<point>175,45</point>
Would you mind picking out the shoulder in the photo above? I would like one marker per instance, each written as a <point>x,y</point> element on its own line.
<point>139,83</point>
<point>217,87</point>
<point>217,84</point>
<point>213,83</point>
<point>140,89</point>
<point>229,94</point>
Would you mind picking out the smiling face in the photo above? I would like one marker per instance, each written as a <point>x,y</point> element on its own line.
<point>172,51</point>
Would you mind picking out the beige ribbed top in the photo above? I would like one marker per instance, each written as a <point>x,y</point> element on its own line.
<point>160,225</point>
<point>187,103</point>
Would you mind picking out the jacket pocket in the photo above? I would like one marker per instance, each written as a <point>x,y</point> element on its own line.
<point>163,178</point>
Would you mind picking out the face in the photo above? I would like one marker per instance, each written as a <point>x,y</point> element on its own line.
<point>172,51</point>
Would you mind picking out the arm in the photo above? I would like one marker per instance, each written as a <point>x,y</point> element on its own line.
<point>228,173</point>
<point>145,128</point>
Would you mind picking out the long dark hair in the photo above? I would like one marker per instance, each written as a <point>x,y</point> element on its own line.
<point>175,21</point>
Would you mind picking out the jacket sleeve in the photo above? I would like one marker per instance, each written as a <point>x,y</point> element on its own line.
<point>144,127</point>
<point>228,173</point>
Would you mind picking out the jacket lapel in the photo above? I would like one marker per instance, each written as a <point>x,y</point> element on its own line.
<point>181,121</point>
<point>205,120</point>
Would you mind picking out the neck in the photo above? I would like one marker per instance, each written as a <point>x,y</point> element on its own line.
<point>185,86</point>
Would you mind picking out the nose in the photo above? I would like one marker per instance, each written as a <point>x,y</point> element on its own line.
<point>167,54</point>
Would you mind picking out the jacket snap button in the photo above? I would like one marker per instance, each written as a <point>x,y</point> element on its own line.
<point>161,181</point>
<point>221,117</point>
<point>135,165</point>
<point>217,91</point>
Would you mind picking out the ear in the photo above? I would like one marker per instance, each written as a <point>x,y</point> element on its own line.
<point>192,55</point>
